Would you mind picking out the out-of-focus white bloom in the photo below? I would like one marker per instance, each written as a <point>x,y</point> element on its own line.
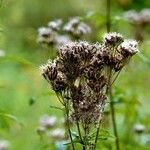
<point>55,25</point>
<point>145,15</point>
<point>132,16</point>
<point>46,35</point>
<point>62,40</point>
<point>76,27</point>
<point>2,53</point>
<point>44,31</point>
<point>129,46</point>
<point>139,128</point>
<point>47,121</point>
<point>4,144</point>
<point>57,134</point>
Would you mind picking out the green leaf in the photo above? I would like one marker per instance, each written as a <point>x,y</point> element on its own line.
<point>10,117</point>
<point>55,107</point>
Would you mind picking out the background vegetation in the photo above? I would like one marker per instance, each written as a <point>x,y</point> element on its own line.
<point>24,94</point>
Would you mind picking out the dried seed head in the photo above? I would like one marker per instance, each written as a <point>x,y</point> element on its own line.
<point>46,36</point>
<point>44,31</point>
<point>55,25</point>
<point>59,83</point>
<point>128,48</point>
<point>132,16</point>
<point>62,40</point>
<point>113,39</point>
<point>145,16</point>
<point>49,71</point>
<point>76,27</point>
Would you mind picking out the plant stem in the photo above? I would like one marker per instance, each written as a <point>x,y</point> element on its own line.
<point>108,15</point>
<point>114,119</point>
<point>68,126</point>
<point>108,26</point>
<point>79,132</point>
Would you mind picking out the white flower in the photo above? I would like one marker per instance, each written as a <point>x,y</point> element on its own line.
<point>132,16</point>
<point>55,25</point>
<point>62,40</point>
<point>57,134</point>
<point>139,128</point>
<point>76,27</point>
<point>2,53</point>
<point>43,31</point>
<point>145,15</point>
<point>47,121</point>
<point>4,144</point>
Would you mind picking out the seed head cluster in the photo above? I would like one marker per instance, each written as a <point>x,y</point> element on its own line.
<point>80,74</point>
<point>76,27</point>
<point>51,35</point>
<point>142,18</point>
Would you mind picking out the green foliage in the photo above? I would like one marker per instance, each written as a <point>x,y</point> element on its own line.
<point>23,92</point>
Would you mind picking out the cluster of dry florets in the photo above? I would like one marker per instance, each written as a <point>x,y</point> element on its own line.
<point>82,73</point>
<point>140,21</point>
<point>143,17</point>
<point>77,28</point>
<point>51,35</point>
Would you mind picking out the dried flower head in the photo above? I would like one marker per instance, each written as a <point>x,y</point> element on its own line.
<point>77,28</point>
<point>46,36</point>
<point>55,25</point>
<point>128,48</point>
<point>145,16</point>
<point>62,40</point>
<point>79,75</point>
<point>132,16</point>
<point>49,71</point>
<point>113,38</point>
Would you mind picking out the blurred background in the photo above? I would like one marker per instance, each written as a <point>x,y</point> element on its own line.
<point>25,96</point>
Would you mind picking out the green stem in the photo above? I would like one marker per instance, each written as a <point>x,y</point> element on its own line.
<point>79,132</point>
<point>114,120</point>
<point>68,126</point>
<point>108,15</point>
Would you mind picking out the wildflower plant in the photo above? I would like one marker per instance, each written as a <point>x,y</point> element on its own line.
<point>140,21</point>
<point>81,77</point>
